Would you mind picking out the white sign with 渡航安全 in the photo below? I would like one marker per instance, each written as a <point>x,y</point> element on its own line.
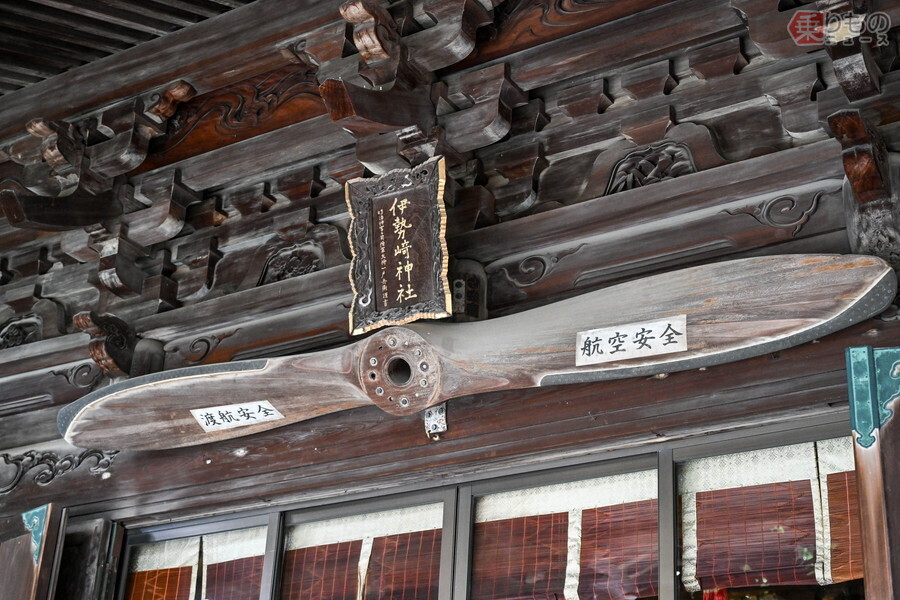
<point>217,418</point>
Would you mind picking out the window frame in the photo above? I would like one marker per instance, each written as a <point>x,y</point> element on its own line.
<point>459,494</point>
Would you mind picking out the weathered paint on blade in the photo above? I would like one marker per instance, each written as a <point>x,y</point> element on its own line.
<point>72,411</point>
<point>879,296</point>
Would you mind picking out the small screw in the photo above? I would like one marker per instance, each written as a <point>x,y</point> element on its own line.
<point>428,414</point>
<point>423,366</point>
<point>441,411</point>
<point>434,426</point>
<point>404,401</point>
<point>379,391</point>
<point>418,352</point>
<point>392,342</point>
<point>423,382</point>
<point>373,361</point>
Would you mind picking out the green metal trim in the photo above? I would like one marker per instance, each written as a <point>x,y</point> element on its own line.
<point>873,378</point>
<point>887,379</point>
<point>35,522</point>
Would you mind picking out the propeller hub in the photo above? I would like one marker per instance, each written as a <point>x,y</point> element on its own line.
<point>400,371</point>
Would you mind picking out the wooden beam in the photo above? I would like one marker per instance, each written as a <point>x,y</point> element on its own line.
<point>174,15</point>
<point>204,55</point>
<point>68,20</point>
<point>41,29</point>
<point>21,41</point>
<point>204,8</point>
<point>106,14</point>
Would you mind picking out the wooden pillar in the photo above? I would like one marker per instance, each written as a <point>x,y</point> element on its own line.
<point>874,379</point>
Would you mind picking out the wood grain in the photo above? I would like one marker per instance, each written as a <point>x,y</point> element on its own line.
<point>522,429</point>
<point>734,310</point>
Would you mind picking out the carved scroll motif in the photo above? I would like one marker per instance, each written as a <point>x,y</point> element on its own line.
<point>523,24</point>
<point>783,212</point>
<point>199,349</point>
<point>20,330</point>
<point>85,376</point>
<point>51,465</point>
<point>245,108</point>
<point>651,165</point>
<point>533,269</point>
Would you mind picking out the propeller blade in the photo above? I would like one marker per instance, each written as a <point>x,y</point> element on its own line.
<point>727,311</point>
<point>154,411</point>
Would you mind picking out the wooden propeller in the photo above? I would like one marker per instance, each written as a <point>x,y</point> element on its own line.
<point>733,310</point>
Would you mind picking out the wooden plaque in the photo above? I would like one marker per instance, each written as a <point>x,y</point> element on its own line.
<point>399,267</point>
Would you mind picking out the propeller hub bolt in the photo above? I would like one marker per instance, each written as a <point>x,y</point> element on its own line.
<point>392,341</point>
<point>379,391</point>
<point>373,361</point>
<point>423,365</point>
<point>423,383</point>
<point>404,401</point>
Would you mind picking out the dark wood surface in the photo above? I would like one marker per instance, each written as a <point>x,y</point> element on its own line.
<point>588,143</point>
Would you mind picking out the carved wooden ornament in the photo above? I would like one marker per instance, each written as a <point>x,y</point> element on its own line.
<point>399,267</point>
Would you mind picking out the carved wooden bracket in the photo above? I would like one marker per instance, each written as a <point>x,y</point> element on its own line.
<point>377,39</point>
<point>113,342</point>
<point>365,112</point>
<point>297,247</point>
<point>485,100</point>
<point>449,34</point>
<point>871,203</point>
<point>768,28</point>
<point>853,60</point>
<point>583,99</point>
<point>24,209</point>
<point>472,207</point>
<point>163,204</point>
<point>865,157</point>
<point>66,176</point>
<point>387,87</point>
<point>718,60</point>
<point>513,178</point>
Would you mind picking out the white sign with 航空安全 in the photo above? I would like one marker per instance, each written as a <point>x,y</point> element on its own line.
<point>217,418</point>
<point>634,340</point>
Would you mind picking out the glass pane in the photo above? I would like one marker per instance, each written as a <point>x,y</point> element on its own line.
<point>778,523</point>
<point>393,554</point>
<point>164,570</point>
<point>233,564</point>
<point>588,539</point>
